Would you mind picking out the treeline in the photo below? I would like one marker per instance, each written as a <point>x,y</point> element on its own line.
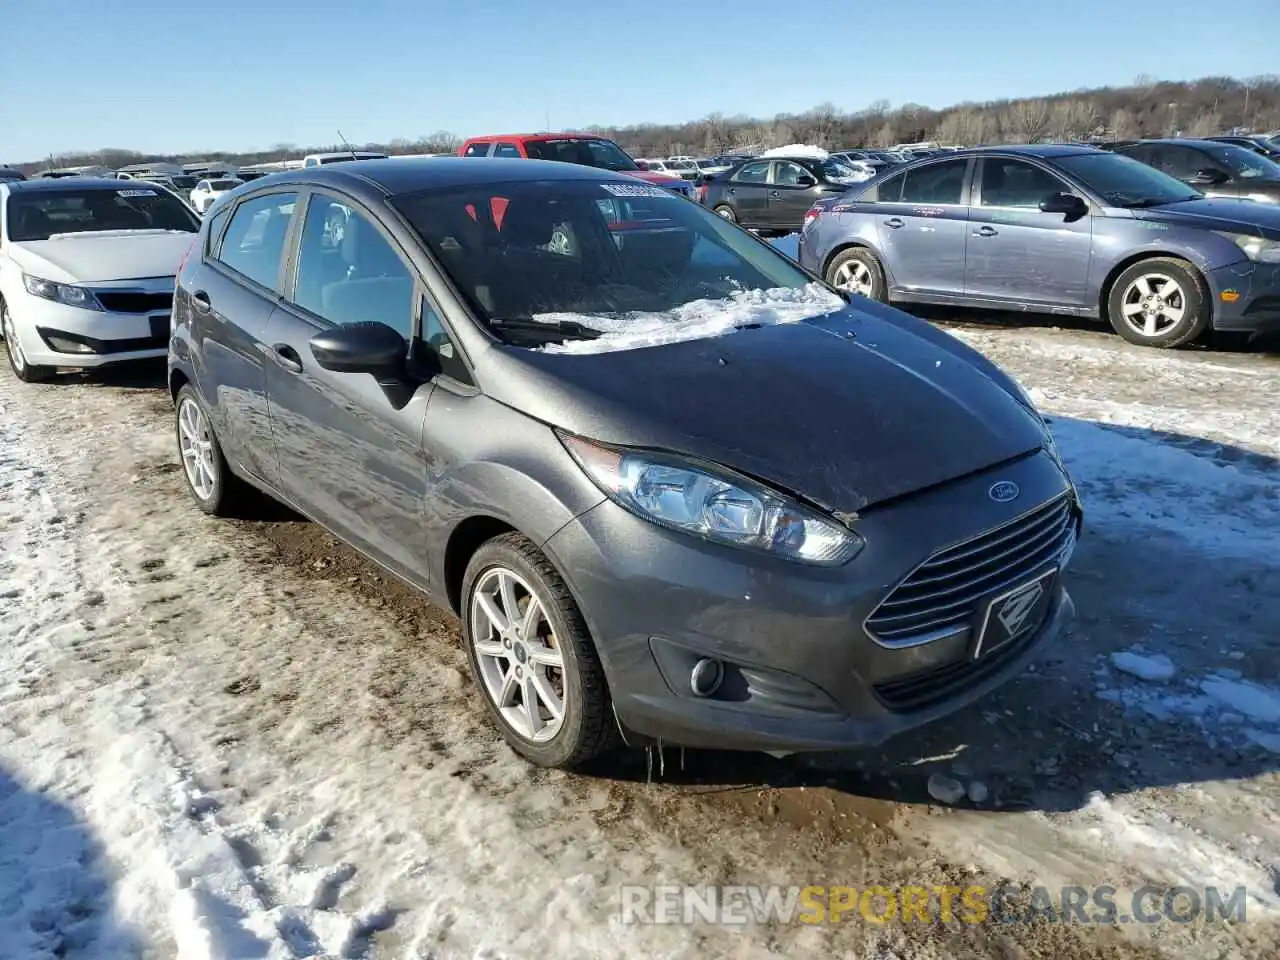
<point>1147,108</point>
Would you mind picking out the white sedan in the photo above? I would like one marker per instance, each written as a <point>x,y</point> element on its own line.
<point>86,271</point>
<point>207,191</point>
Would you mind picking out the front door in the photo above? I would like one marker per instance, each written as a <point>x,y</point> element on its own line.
<point>1017,252</point>
<point>349,457</point>
<point>789,198</point>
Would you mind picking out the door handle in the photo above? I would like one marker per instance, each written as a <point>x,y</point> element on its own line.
<point>985,232</point>
<point>894,222</point>
<point>288,357</point>
<point>775,195</point>
<point>201,301</point>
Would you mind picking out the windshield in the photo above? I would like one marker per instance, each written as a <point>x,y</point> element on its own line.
<point>604,154</point>
<point>838,170</point>
<point>40,215</point>
<point>529,254</point>
<point>1243,162</point>
<point>1123,181</point>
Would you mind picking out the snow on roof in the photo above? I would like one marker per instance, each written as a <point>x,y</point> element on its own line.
<point>697,320</point>
<point>797,150</point>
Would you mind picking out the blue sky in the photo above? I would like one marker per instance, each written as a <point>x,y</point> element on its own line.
<point>168,77</point>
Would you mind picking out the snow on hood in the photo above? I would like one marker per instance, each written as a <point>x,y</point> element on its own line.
<point>797,150</point>
<point>99,257</point>
<point>696,320</point>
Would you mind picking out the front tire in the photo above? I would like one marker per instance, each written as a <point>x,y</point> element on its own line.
<point>212,485</point>
<point>26,372</point>
<point>858,270</point>
<point>1160,302</point>
<point>532,656</point>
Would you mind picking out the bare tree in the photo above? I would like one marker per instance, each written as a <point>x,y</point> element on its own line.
<point>1205,125</point>
<point>1028,120</point>
<point>1123,125</point>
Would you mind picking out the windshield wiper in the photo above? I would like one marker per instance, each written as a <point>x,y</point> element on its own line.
<point>1162,201</point>
<point>569,328</point>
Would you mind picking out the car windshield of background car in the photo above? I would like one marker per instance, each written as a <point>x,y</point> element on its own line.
<point>588,153</point>
<point>43,214</point>
<point>1125,182</point>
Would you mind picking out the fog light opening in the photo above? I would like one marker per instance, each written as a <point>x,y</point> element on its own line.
<point>706,677</point>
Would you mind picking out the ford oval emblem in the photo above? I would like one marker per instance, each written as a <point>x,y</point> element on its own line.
<point>1004,491</point>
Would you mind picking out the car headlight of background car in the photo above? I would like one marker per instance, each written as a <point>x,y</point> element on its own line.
<point>64,293</point>
<point>698,500</point>
<point>1255,248</point>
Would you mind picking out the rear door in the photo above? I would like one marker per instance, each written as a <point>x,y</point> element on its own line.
<point>1017,252</point>
<point>923,227</point>
<point>349,457</point>
<point>747,191</point>
<point>231,300</point>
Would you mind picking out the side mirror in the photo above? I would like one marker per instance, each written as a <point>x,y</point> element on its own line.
<point>804,180</point>
<point>1067,204</point>
<point>1210,176</point>
<point>365,347</point>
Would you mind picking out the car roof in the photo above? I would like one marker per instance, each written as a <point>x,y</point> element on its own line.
<point>55,184</point>
<point>400,175</point>
<point>539,136</point>
<point>1177,141</point>
<point>1046,151</point>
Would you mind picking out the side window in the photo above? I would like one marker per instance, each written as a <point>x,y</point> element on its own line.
<point>788,174</point>
<point>348,271</point>
<point>215,231</point>
<point>757,172</point>
<point>254,241</point>
<point>1015,183</point>
<point>506,150</point>
<point>477,150</point>
<point>437,339</point>
<point>936,183</point>
<point>1179,162</point>
<point>888,191</point>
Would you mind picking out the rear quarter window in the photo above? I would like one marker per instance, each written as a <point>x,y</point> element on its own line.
<point>886,191</point>
<point>476,150</point>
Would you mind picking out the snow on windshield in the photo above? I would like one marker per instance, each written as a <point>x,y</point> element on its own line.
<point>797,150</point>
<point>696,320</point>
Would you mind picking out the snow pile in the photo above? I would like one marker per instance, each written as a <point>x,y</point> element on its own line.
<point>1222,704</point>
<point>696,320</point>
<point>797,150</point>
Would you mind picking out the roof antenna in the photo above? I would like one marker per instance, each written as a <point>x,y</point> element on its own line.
<point>347,145</point>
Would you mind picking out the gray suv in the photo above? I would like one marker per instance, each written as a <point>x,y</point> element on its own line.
<point>674,488</point>
<point>1060,229</point>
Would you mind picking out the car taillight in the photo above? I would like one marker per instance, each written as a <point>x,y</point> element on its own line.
<point>811,215</point>
<point>700,193</point>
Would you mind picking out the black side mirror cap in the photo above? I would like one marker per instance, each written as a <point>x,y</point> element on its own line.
<point>806,181</point>
<point>364,347</point>
<point>1067,204</point>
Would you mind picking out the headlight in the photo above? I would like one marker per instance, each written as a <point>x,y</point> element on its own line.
<point>718,506</point>
<point>61,293</point>
<point>1255,248</point>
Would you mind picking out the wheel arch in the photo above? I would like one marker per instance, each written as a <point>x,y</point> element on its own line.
<point>465,539</point>
<point>1109,281</point>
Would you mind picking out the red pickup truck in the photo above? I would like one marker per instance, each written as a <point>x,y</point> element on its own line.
<point>583,148</point>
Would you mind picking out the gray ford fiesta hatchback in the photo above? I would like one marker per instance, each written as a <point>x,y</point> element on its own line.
<point>675,488</point>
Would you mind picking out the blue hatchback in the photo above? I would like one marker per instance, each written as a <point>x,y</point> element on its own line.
<point>1063,229</point>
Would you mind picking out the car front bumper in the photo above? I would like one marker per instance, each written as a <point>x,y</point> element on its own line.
<point>56,335</point>
<point>1246,297</point>
<point>802,670</point>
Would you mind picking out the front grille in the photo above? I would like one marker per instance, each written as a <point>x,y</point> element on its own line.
<point>944,592</point>
<point>918,690</point>
<point>133,301</point>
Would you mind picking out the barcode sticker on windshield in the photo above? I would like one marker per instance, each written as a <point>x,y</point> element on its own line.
<point>137,193</point>
<point>639,190</point>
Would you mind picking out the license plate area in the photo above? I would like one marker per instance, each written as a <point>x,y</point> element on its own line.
<point>1015,613</point>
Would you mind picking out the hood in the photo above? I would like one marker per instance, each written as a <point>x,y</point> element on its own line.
<point>1218,213</point>
<point>100,257</point>
<point>654,176</point>
<point>842,421</point>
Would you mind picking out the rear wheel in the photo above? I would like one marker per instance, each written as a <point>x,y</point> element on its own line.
<point>532,657</point>
<point>27,372</point>
<point>1161,302</point>
<point>726,211</point>
<point>858,270</point>
<point>212,485</point>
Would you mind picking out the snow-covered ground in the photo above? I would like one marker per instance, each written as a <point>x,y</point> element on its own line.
<point>232,739</point>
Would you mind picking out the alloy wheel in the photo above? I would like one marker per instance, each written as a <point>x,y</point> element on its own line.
<point>518,653</point>
<point>11,343</point>
<point>854,276</point>
<point>195,443</point>
<point>1153,304</point>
